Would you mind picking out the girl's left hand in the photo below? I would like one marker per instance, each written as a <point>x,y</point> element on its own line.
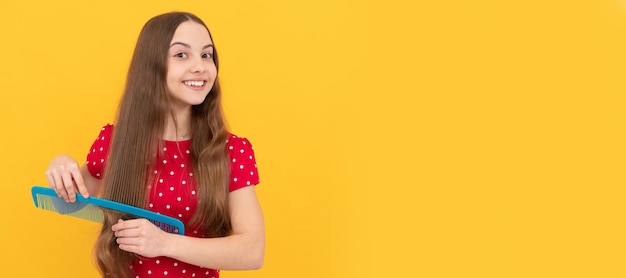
<point>141,237</point>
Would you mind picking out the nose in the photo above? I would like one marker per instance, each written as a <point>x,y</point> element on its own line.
<point>199,66</point>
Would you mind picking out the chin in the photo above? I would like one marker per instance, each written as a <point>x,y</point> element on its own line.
<point>198,101</point>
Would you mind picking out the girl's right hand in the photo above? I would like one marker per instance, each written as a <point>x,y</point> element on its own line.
<point>64,176</point>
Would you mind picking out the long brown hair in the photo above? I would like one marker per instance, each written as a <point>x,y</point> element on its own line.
<point>136,138</point>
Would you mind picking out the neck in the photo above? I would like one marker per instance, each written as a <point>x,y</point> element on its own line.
<point>177,127</point>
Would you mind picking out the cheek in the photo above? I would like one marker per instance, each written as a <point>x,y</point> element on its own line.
<point>169,82</point>
<point>212,71</point>
<point>173,77</point>
<point>212,75</point>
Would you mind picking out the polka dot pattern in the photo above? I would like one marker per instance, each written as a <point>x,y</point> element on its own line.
<point>243,168</point>
<point>173,192</point>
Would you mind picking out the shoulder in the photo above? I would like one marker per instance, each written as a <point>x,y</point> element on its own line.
<point>243,168</point>
<point>107,129</point>
<point>102,142</point>
<point>237,143</point>
<point>104,136</point>
<point>97,156</point>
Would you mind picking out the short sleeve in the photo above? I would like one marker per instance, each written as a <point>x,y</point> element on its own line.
<point>243,168</point>
<point>97,156</point>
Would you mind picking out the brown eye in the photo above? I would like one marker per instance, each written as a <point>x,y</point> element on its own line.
<point>207,55</point>
<point>180,55</point>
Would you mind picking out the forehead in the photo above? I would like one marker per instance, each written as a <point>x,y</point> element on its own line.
<point>192,33</point>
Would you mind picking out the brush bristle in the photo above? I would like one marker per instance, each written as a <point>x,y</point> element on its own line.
<point>76,209</point>
<point>87,211</point>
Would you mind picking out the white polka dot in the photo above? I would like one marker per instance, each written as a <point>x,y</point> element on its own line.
<point>182,165</point>
<point>140,262</point>
<point>231,147</point>
<point>94,163</point>
<point>171,188</point>
<point>207,273</point>
<point>149,271</point>
<point>164,161</point>
<point>193,192</point>
<point>235,179</point>
<point>164,149</point>
<point>160,194</point>
<point>251,173</point>
<point>179,198</point>
<point>193,275</point>
<point>180,215</point>
<point>241,166</point>
<point>151,205</point>
<point>158,262</point>
<point>187,151</point>
<point>155,172</point>
<point>234,160</point>
<point>250,157</point>
<point>184,182</point>
<point>184,271</point>
<point>101,148</point>
<point>171,173</point>
<point>187,208</point>
<point>241,151</point>
<point>165,272</point>
<point>167,207</point>
<point>160,180</point>
<point>175,156</point>
<point>248,182</point>
<point>102,138</point>
<point>191,174</point>
<point>98,174</point>
<point>175,264</point>
<point>102,160</point>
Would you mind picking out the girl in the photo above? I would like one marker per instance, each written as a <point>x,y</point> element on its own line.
<point>169,151</point>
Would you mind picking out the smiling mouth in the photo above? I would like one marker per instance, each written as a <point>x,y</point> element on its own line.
<point>194,83</point>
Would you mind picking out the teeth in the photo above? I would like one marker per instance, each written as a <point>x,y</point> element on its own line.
<point>194,83</point>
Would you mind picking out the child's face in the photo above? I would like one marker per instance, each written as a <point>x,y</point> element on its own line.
<point>191,70</point>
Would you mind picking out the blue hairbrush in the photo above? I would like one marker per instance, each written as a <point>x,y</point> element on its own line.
<point>91,209</point>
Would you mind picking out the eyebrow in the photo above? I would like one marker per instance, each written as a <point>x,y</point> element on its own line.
<point>189,46</point>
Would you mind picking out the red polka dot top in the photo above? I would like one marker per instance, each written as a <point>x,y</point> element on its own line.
<point>173,192</point>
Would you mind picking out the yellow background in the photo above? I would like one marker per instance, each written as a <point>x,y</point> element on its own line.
<point>452,138</point>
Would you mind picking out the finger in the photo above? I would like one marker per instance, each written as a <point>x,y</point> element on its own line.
<point>78,179</point>
<point>59,188</point>
<point>133,245</point>
<point>68,183</point>
<point>129,247</point>
<point>128,241</point>
<point>120,225</point>
<point>51,182</point>
<point>129,233</point>
<point>117,226</point>
<point>126,233</point>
